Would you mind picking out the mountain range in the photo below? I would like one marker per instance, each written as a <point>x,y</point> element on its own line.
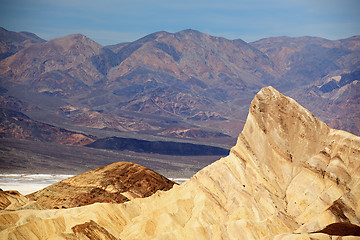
<point>186,85</point>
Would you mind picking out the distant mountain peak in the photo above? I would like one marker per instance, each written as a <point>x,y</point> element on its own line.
<point>190,31</point>
<point>75,39</point>
<point>12,42</point>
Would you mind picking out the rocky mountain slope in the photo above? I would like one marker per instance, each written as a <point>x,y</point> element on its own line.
<point>115,183</point>
<point>61,66</point>
<point>311,60</point>
<point>185,80</point>
<point>12,42</point>
<point>289,176</point>
<point>17,125</point>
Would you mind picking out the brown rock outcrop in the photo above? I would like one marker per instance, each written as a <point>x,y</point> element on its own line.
<point>92,230</point>
<point>288,176</point>
<point>13,200</point>
<point>115,183</point>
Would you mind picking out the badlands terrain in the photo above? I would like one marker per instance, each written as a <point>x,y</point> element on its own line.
<point>175,103</point>
<point>289,176</point>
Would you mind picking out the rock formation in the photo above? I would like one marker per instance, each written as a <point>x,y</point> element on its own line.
<point>115,183</point>
<point>13,200</point>
<point>289,176</point>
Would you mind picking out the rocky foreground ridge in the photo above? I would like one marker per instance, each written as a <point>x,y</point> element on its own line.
<point>289,176</point>
<point>115,183</point>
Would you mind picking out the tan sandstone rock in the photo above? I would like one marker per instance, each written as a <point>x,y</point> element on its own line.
<point>288,177</point>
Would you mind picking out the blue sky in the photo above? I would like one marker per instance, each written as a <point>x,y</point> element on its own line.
<point>114,21</point>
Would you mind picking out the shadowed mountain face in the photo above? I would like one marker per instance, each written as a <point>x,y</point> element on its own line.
<point>289,176</point>
<point>185,80</point>
<point>159,147</point>
<point>115,183</point>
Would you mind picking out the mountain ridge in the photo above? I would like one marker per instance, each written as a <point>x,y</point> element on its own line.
<point>196,78</point>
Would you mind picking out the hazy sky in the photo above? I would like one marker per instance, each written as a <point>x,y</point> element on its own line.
<point>115,21</point>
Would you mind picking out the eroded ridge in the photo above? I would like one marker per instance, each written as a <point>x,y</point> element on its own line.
<point>288,177</point>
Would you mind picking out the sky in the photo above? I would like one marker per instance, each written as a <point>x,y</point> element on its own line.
<point>114,21</point>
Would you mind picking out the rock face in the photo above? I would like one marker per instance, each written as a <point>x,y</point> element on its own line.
<point>13,200</point>
<point>115,183</point>
<point>289,176</point>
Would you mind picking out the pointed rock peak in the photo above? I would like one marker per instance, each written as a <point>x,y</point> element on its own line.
<point>279,120</point>
<point>270,90</point>
<point>271,109</point>
<point>269,96</point>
